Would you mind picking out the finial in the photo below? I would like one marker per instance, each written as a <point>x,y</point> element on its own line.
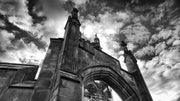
<point>74,13</point>
<point>123,44</point>
<point>97,42</point>
<point>75,10</point>
<point>95,35</point>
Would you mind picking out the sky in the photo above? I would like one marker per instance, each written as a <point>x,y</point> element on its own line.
<point>150,27</point>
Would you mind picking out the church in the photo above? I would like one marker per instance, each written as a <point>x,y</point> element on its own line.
<point>74,69</point>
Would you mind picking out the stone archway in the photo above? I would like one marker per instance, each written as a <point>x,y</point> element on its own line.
<point>67,60</point>
<point>112,78</point>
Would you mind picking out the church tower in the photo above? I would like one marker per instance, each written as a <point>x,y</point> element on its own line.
<point>57,81</point>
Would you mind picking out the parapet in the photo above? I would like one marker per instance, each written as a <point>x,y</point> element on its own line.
<point>54,42</point>
<point>86,45</point>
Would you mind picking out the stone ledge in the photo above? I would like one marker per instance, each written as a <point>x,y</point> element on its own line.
<point>23,85</point>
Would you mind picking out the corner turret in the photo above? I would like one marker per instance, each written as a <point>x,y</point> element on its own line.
<point>131,64</point>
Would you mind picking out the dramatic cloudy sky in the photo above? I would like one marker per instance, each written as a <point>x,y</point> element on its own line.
<point>151,28</point>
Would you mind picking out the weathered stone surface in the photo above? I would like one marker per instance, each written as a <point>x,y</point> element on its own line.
<point>41,95</point>
<point>44,83</point>
<point>24,75</point>
<point>98,58</point>
<point>70,90</point>
<point>5,77</point>
<point>52,63</point>
<point>46,74</point>
<point>3,82</point>
<point>16,74</point>
<point>17,94</point>
<point>69,63</point>
<point>55,93</point>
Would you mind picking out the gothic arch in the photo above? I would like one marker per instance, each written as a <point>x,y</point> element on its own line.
<point>112,78</point>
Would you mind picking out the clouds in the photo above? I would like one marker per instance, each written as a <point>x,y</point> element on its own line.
<point>30,24</point>
<point>16,12</point>
<point>5,38</point>
<point>9,7</point>
<point>16,51</point>
<point>154,39</point>
<point>171,57</point>
<point>80,2</point>
<point>146,53</point>
<point>16,32</point>
<point>151,28</point>
<point>164,71</point>
<point>150,34</point>
<point>106,25</point>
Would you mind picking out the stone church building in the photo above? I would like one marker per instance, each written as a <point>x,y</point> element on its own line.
<point>74,69</point>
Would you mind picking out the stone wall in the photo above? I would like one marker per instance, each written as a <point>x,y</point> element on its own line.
<point>17,81</point>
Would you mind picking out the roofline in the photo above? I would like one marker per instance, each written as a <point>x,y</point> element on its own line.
<point>16,66</point>
<point>7,63</point>
<point>54,39</point>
